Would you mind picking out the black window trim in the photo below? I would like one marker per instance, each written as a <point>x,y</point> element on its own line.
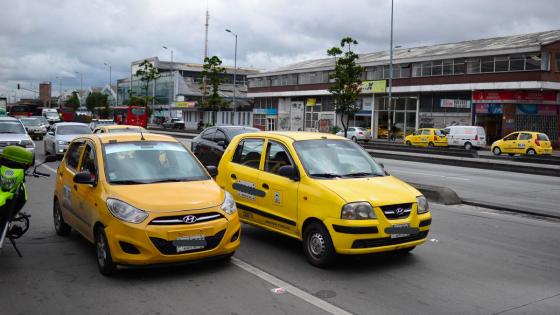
<point>263,139</point>
<point>268,141</point>
<point>75,170</point>
<point>89,142</point>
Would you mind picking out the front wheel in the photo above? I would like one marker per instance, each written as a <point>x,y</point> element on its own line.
<point>431,144</point>
<point>104,260</point>
<point>318,246</point>
<point>60,226</point>
<point>496,151</point>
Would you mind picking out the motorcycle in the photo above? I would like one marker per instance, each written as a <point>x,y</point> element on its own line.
<point>14,162</point>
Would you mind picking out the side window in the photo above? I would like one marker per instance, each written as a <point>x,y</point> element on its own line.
<point>73,155</point>
<point>350,129</point>
<point>219,136</point>
<point>525,136</point>
<point>88,161</point>
<point>248,152</point>
<point>209,134</point>
<point>426,132</point>
<point>513,136</point>
<point>276,157</point>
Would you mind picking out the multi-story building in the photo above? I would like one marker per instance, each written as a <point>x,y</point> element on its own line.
<point>504,84</point>
<point>179,89</point>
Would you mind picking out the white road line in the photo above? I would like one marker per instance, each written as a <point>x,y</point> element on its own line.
<point>309,298</point>
<point>49,168</point>
<point>428,174</point>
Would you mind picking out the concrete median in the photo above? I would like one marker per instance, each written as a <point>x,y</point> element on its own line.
<point>442,195</point>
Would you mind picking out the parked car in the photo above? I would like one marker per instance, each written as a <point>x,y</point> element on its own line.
<point>523,142</point>
<point>100,122</point>
<point>211,143</point>
<point>324,190</point>
<point>34,128</point>
<point>467,137</point>
<point>427,137</point>
<point>143,200</point>
<point>174,123</point>
<point>12,132</point>
<point>61,134</point>
<point>118,129</point>
<point>356,134</point>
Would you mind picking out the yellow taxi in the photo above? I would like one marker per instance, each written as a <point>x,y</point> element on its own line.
<point>118,129</point>
<point>427,137</point>
<point>324,190</point>
<point>523,142</point>
<point>143,199</point>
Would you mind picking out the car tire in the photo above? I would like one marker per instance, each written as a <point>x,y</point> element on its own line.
<point>511,154</point>
<point>103,253</point>
<point>318,246</point>
<point>431,144</point>
<point>354,139</point>
<point>403,251</point>
<point>496,151</point>
<point>531,152</point>
<point>468,146</point>
<point>408,143</point>
<point>60,227</point>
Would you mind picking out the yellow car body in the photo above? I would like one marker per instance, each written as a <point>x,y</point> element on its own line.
<point>289,205</point>
<point>427,137</point>
<point>118,129</point>
<point>524,143</point>
<point>178,212</point>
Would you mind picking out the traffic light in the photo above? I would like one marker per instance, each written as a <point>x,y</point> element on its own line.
<point>18,86</point>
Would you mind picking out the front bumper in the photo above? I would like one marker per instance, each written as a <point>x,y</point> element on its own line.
<point>148,244</point>
<point>369,236</point>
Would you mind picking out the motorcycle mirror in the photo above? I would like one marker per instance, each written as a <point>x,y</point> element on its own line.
<point>50,158</point>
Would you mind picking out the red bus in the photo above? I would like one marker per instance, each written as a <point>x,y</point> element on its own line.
<point>130,115</point>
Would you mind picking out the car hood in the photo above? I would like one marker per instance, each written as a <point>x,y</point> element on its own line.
<point>67,138</point>
<point>167,197</point>
<point>12,137</point>
<point>377,190</point>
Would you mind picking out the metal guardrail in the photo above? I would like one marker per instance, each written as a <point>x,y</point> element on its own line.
<point>430,150</point>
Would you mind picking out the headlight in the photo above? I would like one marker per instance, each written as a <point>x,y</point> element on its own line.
<point>126,212</point>
<point>357,211</point>
<point>228,205</point>
<point>27,143</point>
<point>7,183</point>
<point>62,142</point>
<point>422,203</point>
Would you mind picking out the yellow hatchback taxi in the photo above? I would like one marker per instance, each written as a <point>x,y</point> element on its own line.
<point>427,137</point>
<point>324,190</point>
<point>143,199</point>
<point>523,142</point>
<point>118,129</point>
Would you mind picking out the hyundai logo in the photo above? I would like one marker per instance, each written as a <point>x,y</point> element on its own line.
<point>189,219</point>
<point>399,211</point>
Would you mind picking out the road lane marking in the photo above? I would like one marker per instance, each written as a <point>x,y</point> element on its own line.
<point>309,298</point>
<point>428,174</point>
<point>49,168</point>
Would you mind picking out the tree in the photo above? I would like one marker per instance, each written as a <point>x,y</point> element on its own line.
<point>212,73</point>
<point>147,73</point>
<point>347,80</point>
<point>96,100</point>
<point>73,101</point>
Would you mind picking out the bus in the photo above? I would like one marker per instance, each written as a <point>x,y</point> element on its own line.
<point>130,115</point>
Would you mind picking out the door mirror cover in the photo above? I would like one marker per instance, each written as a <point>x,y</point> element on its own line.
<point>289,172</point>
<point>212,170</point>
<point>84,178</point>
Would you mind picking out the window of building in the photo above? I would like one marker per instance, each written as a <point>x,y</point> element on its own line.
<point>426,69</point>
<point>487,64</point>
<point>436,67</point>
<point>501,63</point>
<point>516,63</point>
<point>473,65</point>
<point>447,67</point>
<point>532,62</point>
<point>416,70</point>
<point>459,66</point>
<point>557,57</point>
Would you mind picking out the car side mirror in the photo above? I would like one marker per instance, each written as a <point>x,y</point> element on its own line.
<point>212,170</point>
<point>50,133</point>
<point>222,144</point>
<point>84,178</point>
<point>51,158</point>
<point>289,172</point>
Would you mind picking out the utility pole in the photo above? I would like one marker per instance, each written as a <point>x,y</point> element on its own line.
<point>108,65</point>
<point>390,76</point>
<point>234,70</point>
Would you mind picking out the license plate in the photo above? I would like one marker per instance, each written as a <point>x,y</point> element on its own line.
<point>188,243</point>
<point>401,230</point>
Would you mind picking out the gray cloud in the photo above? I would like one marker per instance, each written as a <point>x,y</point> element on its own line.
<point>41,40</point>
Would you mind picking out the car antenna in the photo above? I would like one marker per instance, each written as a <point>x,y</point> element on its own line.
<point>142,136</point>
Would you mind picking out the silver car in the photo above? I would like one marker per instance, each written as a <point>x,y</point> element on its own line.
<point>12,132</point>
<point>356,134</point>
<point>61,134</point>
<point>34,128</point>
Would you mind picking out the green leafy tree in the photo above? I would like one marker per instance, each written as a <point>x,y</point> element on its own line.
<point>96,100</point>
<point>347,80</point>
<point>147,73</point>
<point>73,101</point>
<point>212,73</point>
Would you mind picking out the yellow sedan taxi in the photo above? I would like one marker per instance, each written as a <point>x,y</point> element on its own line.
<point>523,142</point>
<point>118,129</point>
<point>427,137</point>
<point>324,190</point>
<point>143,199</point>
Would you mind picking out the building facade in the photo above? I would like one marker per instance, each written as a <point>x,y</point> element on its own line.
<point>503,84</point>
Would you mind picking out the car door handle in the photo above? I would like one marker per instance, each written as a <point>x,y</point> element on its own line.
<point>233,176</point>
<point>265,186</point>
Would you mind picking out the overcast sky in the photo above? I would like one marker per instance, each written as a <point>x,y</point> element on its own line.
<point>43,39</point>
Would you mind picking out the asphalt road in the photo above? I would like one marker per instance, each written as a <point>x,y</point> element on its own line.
<point>476,261</point>
<point>512,190</point>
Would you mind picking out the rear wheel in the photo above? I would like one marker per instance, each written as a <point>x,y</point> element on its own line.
<point>531,152</point>
<point>431,144</point>
<point>318,246</point>
<point>408,143</point>
<point>354,139</point>
<point>496,151</point>
<point>104,260</point>
<point>60,226</point>
<point>468,146</point>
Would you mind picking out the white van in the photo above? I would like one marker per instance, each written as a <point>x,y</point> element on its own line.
<point>466,136</point>
<point>51,114</point>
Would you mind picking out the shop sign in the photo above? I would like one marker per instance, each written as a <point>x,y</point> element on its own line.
<point>516,97</point>
<point>265,111</point>
<point>452,103</point>
<point>377,86</point>
<point>189,104</point>
<point>311,102</point>
<point>489,109</point>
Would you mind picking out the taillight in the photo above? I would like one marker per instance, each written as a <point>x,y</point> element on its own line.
<point>476,137</point>
<point>360,133</point>
<point>435,138</point>
<point>538,142</point>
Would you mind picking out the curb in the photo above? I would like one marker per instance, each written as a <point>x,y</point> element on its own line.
<point>509,209</point>
<point>437,194</point>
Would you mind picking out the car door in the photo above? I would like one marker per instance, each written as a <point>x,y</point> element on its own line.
<point>523,142</point>
<point>70,199</point>
<point>203,148</point>
<point>424,137</point>
<point>217,146</point>
<point>88,194</point>
<point>350,132</point>
<point>242,175</point>
<point>280,193</point>
<point>510,143</point>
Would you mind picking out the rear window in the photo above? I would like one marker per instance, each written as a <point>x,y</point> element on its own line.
<point>542,137</point>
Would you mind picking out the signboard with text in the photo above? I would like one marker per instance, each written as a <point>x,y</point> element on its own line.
<point>516,97</point>
<point>378,86</point>
<point>453,103</point>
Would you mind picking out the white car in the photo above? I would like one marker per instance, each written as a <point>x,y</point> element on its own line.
<point>12,132</point>
<point>467,137</point>
<point>61,134</point>
<point>356,134</point>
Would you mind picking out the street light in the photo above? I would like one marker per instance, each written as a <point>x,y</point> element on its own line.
<point>108,65</point>
<point>390,76</point>
<point>234,69</point>
<point>81,84</point>
<point>165,47</point>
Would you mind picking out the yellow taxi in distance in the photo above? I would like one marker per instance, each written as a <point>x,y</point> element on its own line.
<point>523,142</point>
<point>324,190</point>
<point>143,199</point>
<point>118,129</point>
<point>427,137</point>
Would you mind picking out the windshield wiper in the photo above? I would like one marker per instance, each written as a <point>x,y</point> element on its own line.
<point>168,180</point>
<point>361,174</point>
<point>326,175</point>
<point>129,182</point>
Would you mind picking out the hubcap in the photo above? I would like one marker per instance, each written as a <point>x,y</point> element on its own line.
<point>316,244</point>
<point>531,152</point>
<point>101,252</point>
<point>496,151</point>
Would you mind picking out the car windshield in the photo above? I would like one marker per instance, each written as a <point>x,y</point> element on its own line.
<point>232,132</point>
<point>51,115</point>
<point>150,162</point>
<point>105,122</point>
<point>30,122</point>
<point>72,130</point>
<point>41,119</point>
<point>336,158</point>
<point>121,130</point>
<point>11,127</point>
